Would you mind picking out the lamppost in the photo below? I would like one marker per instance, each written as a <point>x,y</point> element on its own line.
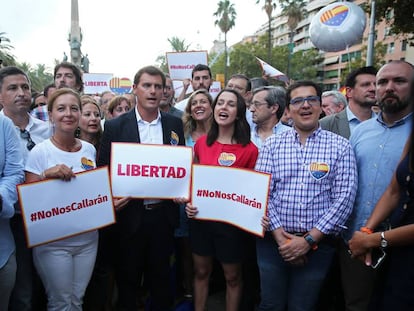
<point>291,45</point>
<point>371,36</point>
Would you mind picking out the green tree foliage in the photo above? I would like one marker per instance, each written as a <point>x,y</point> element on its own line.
<point>304,64</point>
<point>295,10</point>
<point>177,45</point>
<point>398,14</point>
<point>39,76</point>
<point>6,57</point>
<point>243,60</point>
<point>269,6</point>
<point>226,19</point>
<point>379,60</point>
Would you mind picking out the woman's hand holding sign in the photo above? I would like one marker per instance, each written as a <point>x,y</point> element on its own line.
<point>60,171</point>
<point>191,210</point>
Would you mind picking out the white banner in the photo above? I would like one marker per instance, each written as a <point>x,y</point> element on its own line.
<point>96,83</point>
<point>181,64</point>
<point>232,195</point>
<point>151,171</point>
<point>54,209</point>
<point>215,88</point>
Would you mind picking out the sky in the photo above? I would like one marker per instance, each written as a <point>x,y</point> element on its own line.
<point>119,36</point>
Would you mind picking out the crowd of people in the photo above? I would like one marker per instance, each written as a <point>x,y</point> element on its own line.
<point>339,227</point>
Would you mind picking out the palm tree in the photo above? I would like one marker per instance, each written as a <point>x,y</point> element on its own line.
<point>226,15</point>
<point>295,10</point>
<point>6,58</point>
<point>269,7</point>
<point>178,45</point>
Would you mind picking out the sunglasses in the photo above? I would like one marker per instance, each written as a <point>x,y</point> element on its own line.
<point>26,135</point>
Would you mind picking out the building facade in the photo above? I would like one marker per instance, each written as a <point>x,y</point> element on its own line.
<point>334,63</point>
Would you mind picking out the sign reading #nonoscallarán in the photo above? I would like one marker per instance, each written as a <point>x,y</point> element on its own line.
<point>66,208</point>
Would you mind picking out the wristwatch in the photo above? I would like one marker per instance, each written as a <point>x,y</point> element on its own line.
<point>312,243</point>
<point>384,242</point>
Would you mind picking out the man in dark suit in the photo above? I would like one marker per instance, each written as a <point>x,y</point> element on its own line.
<point>145,228</point>
<point>360,91</point>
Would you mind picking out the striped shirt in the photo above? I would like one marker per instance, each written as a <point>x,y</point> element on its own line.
<point>312,185</point>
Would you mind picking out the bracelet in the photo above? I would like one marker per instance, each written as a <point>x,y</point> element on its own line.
<point>366,230</point>
<point>43,175</point>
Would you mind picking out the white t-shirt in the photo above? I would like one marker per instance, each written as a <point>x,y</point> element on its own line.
<point>45,155</point>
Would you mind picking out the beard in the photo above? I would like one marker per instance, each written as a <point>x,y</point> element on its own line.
<point>391,103</point>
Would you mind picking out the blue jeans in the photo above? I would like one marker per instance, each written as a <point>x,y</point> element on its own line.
<point>283,285</point>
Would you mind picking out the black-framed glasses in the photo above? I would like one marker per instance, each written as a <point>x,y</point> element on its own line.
<point>298,102</point>
<point>26,135</point>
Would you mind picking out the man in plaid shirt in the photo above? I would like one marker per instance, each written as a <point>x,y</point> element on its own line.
<point>312,191</point>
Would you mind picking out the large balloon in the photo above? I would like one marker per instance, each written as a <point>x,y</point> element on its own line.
<point>337,26</point>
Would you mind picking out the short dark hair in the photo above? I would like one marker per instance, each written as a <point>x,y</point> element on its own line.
<point>275,95</point>
<point>257,82</point>
<point>11,71</point>
<point>152,71</point>
<point>200,67</point>
<point>244,77</point>
<point>302,83</point>
<point>351,77</point>
<point>76,71</point>
<point>47,88</point>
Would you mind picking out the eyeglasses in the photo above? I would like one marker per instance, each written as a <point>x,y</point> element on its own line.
<point>298,102</point>
<point>26,135</point>
<point>257,104</point>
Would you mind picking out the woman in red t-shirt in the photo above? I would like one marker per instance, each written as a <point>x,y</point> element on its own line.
<point>227,143</point>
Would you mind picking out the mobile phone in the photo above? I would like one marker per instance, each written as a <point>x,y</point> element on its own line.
<point>377,255</point>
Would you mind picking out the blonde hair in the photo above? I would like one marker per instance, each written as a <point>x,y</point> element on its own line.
<point>189,123</point>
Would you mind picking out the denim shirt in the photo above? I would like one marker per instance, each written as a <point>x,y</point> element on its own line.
<point>11,174</point>
<point>378,149</point>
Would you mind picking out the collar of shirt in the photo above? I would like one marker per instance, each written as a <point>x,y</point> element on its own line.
<point>314,135</point>
<point>380,119</point>
<point>140,120</point>
<point>352,117</point>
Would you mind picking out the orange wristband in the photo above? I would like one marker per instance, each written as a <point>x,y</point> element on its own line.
<point>366,230</point>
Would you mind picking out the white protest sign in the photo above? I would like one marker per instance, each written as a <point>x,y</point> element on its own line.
<point>96,83</point>
<point>218,195</point>
<point>151,171</point>
<point>215,88</point>
<point>181,64</point>
<point>54,209</point>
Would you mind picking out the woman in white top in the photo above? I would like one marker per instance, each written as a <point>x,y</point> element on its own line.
<point>65,266</point>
